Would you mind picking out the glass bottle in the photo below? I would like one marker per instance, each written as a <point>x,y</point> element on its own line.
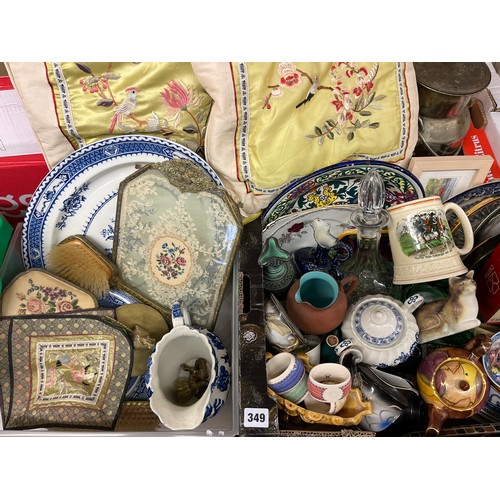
<point>374,271</point>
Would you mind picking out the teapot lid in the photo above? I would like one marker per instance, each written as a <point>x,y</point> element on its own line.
<point>453,78</point>
<point>460,384</point>
<point>382,329</point>
<point>379,321</point>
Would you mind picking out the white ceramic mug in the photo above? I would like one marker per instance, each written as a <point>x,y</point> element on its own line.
<point>286,376</point>
<point>422,244</point>
<point>330,383</point>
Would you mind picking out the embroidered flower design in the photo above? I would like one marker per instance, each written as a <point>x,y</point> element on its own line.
<point>350,92</point>
<point>289,76</point>
<point>34,306</point>
<point>64,306</point>
<point>45,300</point>
<point>180,98</point>
<point>171,263</point>
<point>177,98</point>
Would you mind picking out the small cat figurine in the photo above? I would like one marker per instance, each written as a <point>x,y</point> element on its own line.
<point>456,313</point>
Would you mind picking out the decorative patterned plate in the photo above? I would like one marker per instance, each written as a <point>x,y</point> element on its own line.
<point>472,197</point>
<point>297,230</point>
<point>491,360</point>
<point>78,196</point>
<point>489,227</point>
<point>476,194</point>
<point>491,410</point>
<point>478,213</point>
<point>338,185</point>
<point>480,253</point>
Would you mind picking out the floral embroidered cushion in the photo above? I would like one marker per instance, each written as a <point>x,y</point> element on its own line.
<point>272,122</point>
<point>73,104</point>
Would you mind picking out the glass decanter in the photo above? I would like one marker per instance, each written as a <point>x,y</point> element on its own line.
<point>374,271</point>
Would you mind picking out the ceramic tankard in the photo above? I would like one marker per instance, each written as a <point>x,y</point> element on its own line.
<point>188,374</point>
<point>422,244</point>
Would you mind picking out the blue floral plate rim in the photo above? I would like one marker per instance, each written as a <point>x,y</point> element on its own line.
<point>73,197</point>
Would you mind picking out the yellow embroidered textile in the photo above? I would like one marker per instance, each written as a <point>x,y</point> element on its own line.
<point>272,123</point>
<point>96,100</point>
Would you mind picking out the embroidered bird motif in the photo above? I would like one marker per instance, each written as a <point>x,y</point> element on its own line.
<point>310,93</point>
<point>125,109</point>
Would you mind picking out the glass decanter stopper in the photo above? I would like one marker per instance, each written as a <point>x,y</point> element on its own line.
<point>374,271</point>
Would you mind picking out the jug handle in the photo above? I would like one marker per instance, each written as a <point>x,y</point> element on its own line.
<point>478,346</point>
<point>352,281</point>
<point>180,314</point>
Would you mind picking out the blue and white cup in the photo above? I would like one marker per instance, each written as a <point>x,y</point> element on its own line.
<point>287,377</point>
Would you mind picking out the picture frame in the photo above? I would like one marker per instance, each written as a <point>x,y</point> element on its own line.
<point>446,176</point>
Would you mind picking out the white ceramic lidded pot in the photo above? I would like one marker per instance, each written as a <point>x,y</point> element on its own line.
<point>188,375</point>
<point>382,329</point>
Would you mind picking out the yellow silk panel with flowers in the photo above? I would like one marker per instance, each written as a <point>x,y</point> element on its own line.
<point>272,123</point>
<point>74,104</point>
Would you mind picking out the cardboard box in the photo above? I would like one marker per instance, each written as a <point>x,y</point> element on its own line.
<point>492,131</point>
<point>20,177</point>
<point>476,143</point>
<point>22,164</point>
<point>16,134</point>
<point>488,289</point>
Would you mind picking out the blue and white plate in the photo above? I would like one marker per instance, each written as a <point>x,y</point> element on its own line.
<point>474,195</point>
<point>338,185</point>
<point>79,195</point>
<point>491,360</point>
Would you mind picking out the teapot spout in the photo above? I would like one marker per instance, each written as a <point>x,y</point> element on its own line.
<point>437,417</point>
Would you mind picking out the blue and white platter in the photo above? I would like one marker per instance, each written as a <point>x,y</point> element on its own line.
<point>79,195</point>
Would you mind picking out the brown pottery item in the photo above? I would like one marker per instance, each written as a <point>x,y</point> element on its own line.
<point>317,303</point>
<point>453,382</point>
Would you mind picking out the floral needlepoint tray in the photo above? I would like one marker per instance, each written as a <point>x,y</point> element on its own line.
<point>37,291</point>
<point>177,233</point>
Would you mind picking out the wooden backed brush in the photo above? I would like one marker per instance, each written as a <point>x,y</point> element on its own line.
<point>79,261</point>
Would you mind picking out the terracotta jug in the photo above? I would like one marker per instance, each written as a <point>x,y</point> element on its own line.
<point>453,382</point>
<point>317,303</point>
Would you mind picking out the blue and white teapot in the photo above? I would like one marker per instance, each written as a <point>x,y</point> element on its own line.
<point>189,374</point>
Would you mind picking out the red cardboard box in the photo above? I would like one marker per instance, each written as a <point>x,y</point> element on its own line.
<point>19,178</point>
<point>22,164</point>
<point>488,289</point>
<point>476,143</point>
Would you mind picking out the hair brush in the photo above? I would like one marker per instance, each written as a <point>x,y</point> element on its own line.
<point>79,261</point>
